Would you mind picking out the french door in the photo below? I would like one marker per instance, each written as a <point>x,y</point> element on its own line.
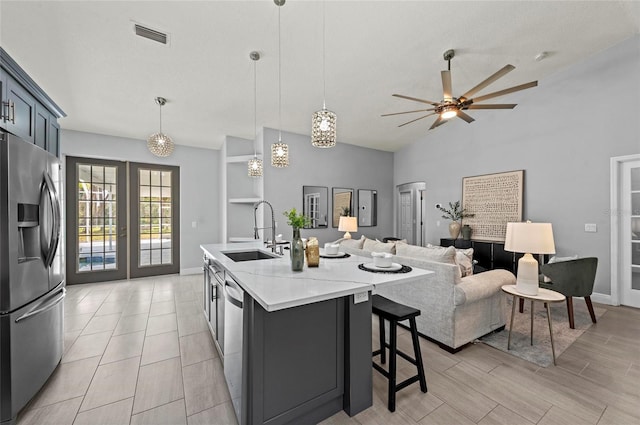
<point>120,225</point>
<point>630,235</point>
<point>155,219</point>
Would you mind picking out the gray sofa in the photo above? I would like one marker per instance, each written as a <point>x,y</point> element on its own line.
<point>455,310</point>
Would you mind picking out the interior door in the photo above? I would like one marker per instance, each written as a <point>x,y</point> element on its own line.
<point>155,219</point>
<point>96,232</point>
<point>410,210</point>
<point>630,234</point>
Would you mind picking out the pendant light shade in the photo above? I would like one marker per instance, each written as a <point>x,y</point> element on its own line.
<point>159,143</point>
<point>280,150</point>
<point>323,122</point>
<point>323,129</point>
<point>254,166</point>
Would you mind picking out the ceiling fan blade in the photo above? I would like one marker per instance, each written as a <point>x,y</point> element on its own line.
<point>416,99</point>
<point>501,73</point>
<point>437,123</point>
<point>446,85</point>
<point>465,117</point>
<point>409,122</point>
<point>505,91</point>
<point>492,106</point>
<point>408,112</point>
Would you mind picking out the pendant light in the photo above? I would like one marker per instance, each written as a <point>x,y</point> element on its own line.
<point>323,122</point>
<point>255,164</point>
<point>159,143</point>
<point>279,151</point>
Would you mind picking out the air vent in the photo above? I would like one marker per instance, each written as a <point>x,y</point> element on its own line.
<point>154,35</point>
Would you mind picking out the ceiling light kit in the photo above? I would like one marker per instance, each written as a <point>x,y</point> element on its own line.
<point>323,122</point>
<point>279,151</point>
<point>450,106</point>
<point>159,143</point>
<point>254,166</point>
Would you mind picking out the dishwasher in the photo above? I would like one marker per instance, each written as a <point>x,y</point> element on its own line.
<point>233,328</point>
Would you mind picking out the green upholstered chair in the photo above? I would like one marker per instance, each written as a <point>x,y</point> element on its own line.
<point>572,278</point>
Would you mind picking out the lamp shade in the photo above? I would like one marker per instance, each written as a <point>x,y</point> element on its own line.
<point>348,224</point>
<point>533,238</point>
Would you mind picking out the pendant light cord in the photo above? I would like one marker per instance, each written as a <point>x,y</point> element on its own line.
<point>160,118</point>
<point>324,73</point>
<point>255,109</point>
<point>279,82</point>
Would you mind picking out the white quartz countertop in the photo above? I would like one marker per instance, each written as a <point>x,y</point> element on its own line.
<point>275,286</point>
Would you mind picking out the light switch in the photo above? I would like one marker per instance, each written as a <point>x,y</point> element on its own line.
<point>591,227</point>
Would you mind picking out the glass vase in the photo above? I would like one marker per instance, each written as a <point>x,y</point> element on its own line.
<point>297,251</point>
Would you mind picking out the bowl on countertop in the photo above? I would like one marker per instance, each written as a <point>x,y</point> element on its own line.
<point>382,259</point>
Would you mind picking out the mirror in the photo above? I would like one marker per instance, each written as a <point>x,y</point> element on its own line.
<point>315,205</point>
<point>342,203</point>
<point>367,208</point>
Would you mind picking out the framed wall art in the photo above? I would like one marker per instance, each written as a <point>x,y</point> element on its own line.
<point>495,199</point>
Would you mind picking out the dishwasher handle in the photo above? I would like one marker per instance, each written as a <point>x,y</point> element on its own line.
<point>229,289</point>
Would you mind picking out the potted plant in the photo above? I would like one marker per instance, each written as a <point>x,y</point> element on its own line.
<point>297,221</point>
<point>454,213</point>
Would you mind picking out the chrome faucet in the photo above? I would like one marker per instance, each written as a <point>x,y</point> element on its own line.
<point>273,224</point>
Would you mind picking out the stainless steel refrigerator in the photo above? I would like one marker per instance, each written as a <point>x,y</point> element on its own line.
<point>32,286</point>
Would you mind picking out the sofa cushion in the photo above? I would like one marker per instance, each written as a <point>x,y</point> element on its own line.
<point>353,243</point>
<point>440,255</point>
<point>372,245</point>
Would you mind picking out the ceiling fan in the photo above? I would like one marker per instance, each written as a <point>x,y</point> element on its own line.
<point>450,106</point>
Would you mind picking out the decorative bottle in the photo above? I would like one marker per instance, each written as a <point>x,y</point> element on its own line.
<point>297,251</point>
<point>313,252</point>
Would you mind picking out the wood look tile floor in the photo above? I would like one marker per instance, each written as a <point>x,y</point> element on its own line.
<point>139,352</point>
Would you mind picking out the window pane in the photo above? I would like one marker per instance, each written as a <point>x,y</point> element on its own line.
<point>155,209</point>
<point>635,204</point>
<point>166,256</point>
<point>166,210</point>
<point>145,226</point>
<point>145,178</point>
<point>156,257</point>
<point>166,194</point>
<point>166,178</point>
<point>635,278</point>
<point>155,178</point>
<point>635,179</point>
<point>145,257</point>
<point>145,209</point>
<point>155,240</point>
<point>97,262</point>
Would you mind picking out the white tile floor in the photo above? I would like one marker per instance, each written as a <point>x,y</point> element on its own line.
<point>136,352</point>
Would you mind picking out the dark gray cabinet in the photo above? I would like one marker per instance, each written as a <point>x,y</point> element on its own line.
<point>20,119</point>
<point>26,110</point>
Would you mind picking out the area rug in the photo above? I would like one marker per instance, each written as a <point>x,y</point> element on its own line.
<point>540,352</point>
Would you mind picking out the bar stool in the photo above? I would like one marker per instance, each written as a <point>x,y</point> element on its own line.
<point>394,312</point>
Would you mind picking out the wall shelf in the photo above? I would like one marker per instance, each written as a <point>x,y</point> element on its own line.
<point>243,200</point>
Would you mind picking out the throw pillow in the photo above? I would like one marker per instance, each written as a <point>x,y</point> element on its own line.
<point>439,255</point>
<point>372,245</point>
<point>353,243</point>
<point>555,259</point>
<point>464,259</point>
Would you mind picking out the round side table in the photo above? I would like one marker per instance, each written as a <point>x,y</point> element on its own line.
<point>546,296</point>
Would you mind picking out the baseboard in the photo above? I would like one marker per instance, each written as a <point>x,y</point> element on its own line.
<point>602,298</point>
<point>193,270</point>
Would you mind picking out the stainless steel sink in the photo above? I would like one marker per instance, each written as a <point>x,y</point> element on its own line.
<point>250,255</point>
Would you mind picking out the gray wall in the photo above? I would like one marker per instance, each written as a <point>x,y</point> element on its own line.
<point>199,188</point>
<point>562,134</point>
<point>345,166</point>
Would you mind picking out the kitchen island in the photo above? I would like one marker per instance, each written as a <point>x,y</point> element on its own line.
<point>302,351</point>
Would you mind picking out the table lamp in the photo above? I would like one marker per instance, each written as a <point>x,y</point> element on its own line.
<point>348,224</point>
<point>528,238</point>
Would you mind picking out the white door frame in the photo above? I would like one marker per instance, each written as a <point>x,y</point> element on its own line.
<point>616,183</point>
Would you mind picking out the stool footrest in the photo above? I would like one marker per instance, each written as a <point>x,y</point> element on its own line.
<point>398,352</point>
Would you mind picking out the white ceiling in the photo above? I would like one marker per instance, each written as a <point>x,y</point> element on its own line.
<point>87,58</point>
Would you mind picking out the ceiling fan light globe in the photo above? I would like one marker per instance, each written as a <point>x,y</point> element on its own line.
<point>445,115</point>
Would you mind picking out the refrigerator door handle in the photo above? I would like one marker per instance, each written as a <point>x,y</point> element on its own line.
<point>42,308</point>
<point>50,251</point>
